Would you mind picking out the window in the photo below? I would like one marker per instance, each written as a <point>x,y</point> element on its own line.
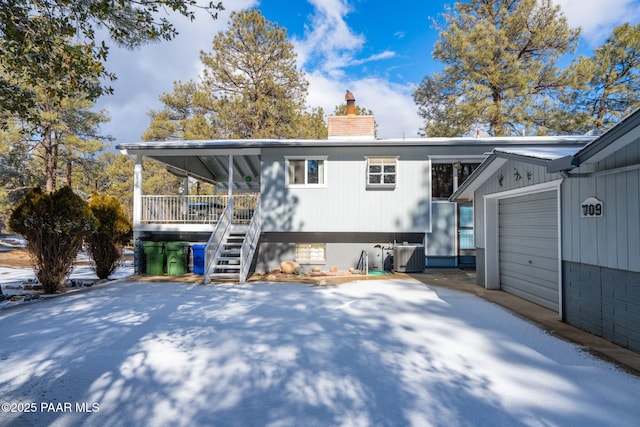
<point>306,171</point>
<point>381,172</point>
<point>446,177</point>
<point>442,180</point>
<point>311,253</point>
<point>465,227</point>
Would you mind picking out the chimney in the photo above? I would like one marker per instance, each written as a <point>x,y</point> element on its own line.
<point>351,126</point>
<point>351,103</point>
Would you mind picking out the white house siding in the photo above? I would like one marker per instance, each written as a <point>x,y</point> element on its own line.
<point>612,241</point>
<point>442,241</point>
<point>346,205</point>
<point>601,256</point>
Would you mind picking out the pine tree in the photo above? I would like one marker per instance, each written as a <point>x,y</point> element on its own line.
<point>500,58</point>
<point>252,73</point>
<point>52,44</point>
<point>611,81</point>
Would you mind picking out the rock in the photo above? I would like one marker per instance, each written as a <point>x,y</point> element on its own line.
<point>334,269</point>
<point>289,267</point>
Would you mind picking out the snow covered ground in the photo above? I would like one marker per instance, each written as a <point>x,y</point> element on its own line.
<point>19,281</point>
<point>366,353</point>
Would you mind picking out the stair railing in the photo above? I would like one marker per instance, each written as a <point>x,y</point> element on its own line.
<point>219,235</point>
<point>250,243</point>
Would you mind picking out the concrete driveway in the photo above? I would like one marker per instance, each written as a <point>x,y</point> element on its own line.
<point>368,353</point>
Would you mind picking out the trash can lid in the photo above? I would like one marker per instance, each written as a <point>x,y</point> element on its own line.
<point>176,246</point>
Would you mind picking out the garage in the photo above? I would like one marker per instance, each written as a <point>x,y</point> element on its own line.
<point>528,247</point>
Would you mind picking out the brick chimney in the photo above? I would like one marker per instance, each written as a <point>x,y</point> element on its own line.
<point>351,126</point>
<point>351,103</point>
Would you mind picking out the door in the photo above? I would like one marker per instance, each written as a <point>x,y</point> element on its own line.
<point>528,247</point>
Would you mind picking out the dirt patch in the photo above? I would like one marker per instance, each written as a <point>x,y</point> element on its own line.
<point>15,259</point>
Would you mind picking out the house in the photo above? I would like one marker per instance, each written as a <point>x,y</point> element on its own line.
<point>349,201</point>
<point>561,227</point>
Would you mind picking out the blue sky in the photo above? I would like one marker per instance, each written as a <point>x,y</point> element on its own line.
<point>380,50</point>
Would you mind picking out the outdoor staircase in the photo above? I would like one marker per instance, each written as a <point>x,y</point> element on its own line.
<point>231,247</point>
<point>227,265</point>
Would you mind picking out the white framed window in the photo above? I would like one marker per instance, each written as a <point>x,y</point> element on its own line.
<point>382,172</point>
<point>306,171</point>
<point>311,253</point>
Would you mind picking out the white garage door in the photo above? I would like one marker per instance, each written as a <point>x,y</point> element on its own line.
<point>528,247</point>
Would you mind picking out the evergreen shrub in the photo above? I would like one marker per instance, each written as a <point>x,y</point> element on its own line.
<point>105,243</point>
<point>54,226</point>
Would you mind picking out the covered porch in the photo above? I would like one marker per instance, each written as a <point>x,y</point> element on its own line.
<point>227,221</point>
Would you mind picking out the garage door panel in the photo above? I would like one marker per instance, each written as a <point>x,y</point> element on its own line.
<point>529,265</point>
<point>536,246</point>
<point>528,247</point>
<point>532,292</point>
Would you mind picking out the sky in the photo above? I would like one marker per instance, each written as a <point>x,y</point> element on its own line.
<point>367,353</point>
<point>379,50</point>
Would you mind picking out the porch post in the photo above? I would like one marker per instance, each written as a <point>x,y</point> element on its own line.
<point>137,192</point>
<point>230,182</point>
<point>185,185</point>
<point>230,186</point>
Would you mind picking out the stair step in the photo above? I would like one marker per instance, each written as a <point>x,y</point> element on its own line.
<point>219,270</point>
<point>228,263</point>
<point>225,275</point>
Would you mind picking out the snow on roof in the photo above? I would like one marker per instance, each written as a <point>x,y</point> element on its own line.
<point>542,153</point>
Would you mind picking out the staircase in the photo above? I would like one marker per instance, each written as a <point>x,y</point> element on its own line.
<point>231,247</point>
<point>227,265</point>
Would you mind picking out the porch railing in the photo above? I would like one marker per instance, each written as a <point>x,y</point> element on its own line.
<point>196,209</point>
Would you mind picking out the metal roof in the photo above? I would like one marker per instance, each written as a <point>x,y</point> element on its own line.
<point>537,155</point>
<point>556,159</point>
<point>240,144</point>
<point>208,159</point>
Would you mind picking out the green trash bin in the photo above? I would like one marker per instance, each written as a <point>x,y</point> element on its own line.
<point>154,253</point>
<point>177,257</point>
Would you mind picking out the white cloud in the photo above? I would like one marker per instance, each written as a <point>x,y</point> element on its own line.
<point>597,18</point>
<point>146,73</point>
<point>328,44</point>
<point>327,51</point>
<point>387,54</point>
<point>396,113</point>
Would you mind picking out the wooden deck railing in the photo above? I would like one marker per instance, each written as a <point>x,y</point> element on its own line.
<point>196,209</point>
